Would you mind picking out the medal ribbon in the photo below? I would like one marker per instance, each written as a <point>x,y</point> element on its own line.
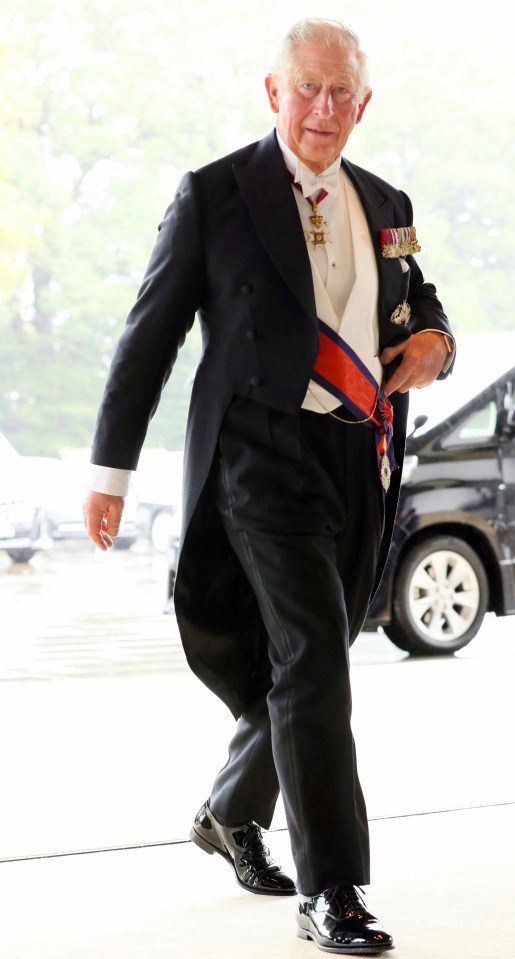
<point>321,196</point>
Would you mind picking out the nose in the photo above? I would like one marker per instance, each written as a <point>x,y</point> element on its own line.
<point>323,103</point>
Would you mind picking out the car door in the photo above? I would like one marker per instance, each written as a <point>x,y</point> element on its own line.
<point>507,457</point>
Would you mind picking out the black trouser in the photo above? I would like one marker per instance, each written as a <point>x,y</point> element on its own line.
<point>302,505</point>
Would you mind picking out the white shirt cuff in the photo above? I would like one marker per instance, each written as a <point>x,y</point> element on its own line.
<point>107,479</point>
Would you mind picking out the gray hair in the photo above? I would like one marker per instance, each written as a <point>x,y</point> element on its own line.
<point>330,32</point>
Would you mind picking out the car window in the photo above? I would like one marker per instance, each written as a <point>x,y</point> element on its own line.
<point>478,425</point>
<point>480,360</point>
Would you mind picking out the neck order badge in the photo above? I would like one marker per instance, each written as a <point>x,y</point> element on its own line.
<point>317,236</point>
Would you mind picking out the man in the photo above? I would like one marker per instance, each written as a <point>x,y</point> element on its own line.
<point>314,314</point>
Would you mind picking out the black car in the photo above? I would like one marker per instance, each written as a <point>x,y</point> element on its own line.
<point>453,551</point>
<point>452,557</point>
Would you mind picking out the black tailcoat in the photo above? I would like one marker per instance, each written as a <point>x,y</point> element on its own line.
<point>231,249</point>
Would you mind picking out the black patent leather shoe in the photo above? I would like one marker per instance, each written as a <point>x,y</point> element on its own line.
<point>244,849</point>
<point>338,921</point>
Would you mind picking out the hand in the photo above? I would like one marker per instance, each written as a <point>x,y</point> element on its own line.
<point>423,357</point>
<point>102,517</point>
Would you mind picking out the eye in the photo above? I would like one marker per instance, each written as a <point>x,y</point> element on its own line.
<point>308,88</point>
<point>341,93</point>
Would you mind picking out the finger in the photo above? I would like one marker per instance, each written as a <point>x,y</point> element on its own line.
<point>411,376</point>
<point>113,519</point>
<point>391,352</point>
<point>400,381</point>
<point>95,522</point>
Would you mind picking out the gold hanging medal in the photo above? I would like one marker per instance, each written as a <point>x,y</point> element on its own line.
<point>317,235</point>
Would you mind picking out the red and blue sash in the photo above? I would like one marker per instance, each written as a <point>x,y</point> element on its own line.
<point>341,372</point>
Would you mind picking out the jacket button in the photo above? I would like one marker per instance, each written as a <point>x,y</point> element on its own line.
<point>251,334</point>
<point>255,381</point>
<point>246,289</point>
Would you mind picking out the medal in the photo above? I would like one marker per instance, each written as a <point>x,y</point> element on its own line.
<point>317,236</point>
<point>399,241</point>
<point>385,473</point>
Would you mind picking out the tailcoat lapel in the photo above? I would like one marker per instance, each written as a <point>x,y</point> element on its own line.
<point>378,208</point>
<point>267,193</point>
<point>379,212</point>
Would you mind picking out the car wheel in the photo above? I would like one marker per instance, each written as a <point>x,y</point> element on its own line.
<point>440,597</point>
<point>21,555</point>
<point>123,542</point>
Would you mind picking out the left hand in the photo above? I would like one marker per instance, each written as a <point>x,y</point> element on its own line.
<point>423,357</point>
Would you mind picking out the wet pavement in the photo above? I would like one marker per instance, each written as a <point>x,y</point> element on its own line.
<point>74,611</point>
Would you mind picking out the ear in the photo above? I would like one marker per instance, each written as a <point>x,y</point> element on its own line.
<point>362,106</point>
<point>273,92</point>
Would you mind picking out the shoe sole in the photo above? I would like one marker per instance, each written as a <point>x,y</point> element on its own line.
<point>207,846</point>
<point>210,849</point>
<point>358,950</point>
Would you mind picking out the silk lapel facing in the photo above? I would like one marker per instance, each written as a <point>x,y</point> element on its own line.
<point>268,195</point>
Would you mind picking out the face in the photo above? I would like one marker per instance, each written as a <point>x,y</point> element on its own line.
<point>318,103</point>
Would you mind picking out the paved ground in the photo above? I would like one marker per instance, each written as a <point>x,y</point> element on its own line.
<point>111,741</point>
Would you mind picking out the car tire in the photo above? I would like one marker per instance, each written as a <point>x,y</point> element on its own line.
<point>123,542</point>
<point>21,555</point>
<point>440,597</point>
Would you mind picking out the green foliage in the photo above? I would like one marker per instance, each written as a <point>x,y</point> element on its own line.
<point>105,104</point>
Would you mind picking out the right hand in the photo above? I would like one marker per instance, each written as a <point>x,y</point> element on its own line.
<point>102,517</point>
<point>423,357</point>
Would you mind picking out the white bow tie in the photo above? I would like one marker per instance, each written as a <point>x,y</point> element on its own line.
<point>313,183</point>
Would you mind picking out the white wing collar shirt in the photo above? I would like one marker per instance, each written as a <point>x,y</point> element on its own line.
<point>344,268</point>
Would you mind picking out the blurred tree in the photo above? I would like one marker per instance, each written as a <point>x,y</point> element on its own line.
<point>104,105</point>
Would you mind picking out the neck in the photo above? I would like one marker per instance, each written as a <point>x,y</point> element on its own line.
<point>293,158</point>
<point>318,168</point>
